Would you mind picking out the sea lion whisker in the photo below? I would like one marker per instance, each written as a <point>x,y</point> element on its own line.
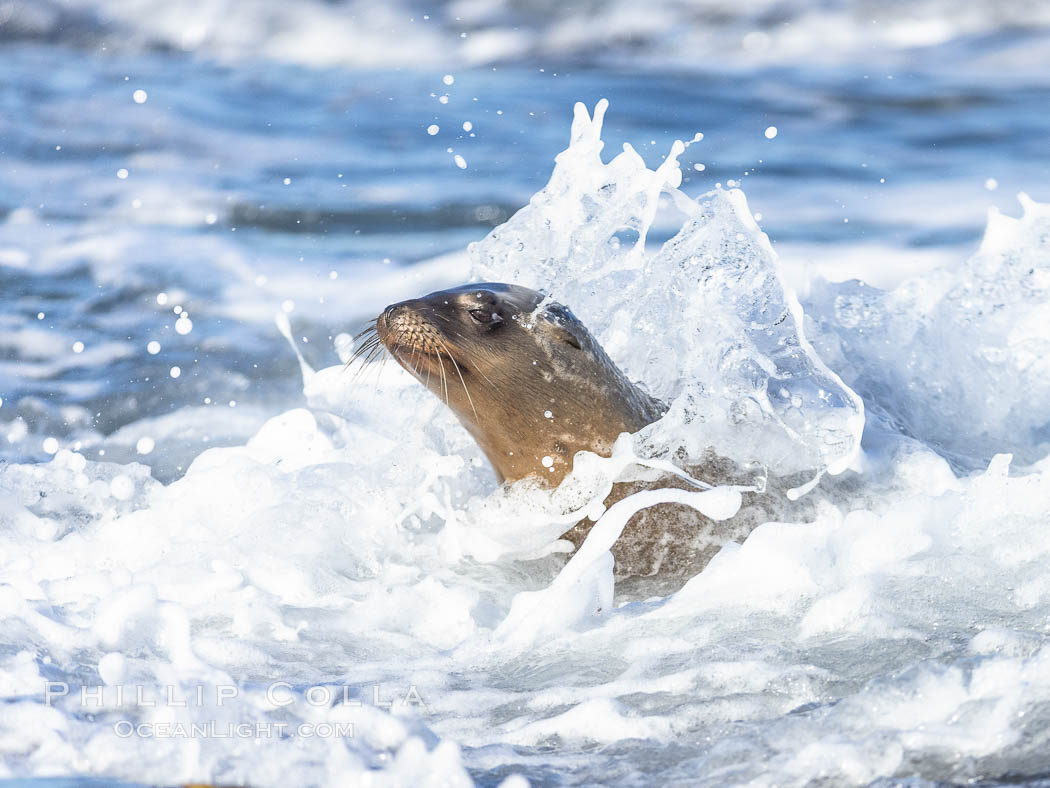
<point>382,366</point>
<point>367,333</point>
<point>362,369</point>
<point>358,354</point>
<point>368,343</point>
<point>353,357</point>
<point>379,374</point>
<point>370,328</point>
<point>459,372</point>
<point>482,351</point>
<point>365,354</point>
<point>484,377</point>
<point>400,352</point>
<point>415,363</point>
<point>429,368</point>
<point>444,378</point>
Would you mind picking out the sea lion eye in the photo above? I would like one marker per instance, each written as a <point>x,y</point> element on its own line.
<point>485,316</point>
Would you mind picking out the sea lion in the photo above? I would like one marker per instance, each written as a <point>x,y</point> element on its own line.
<point>521,373</point>
<point>533,387</point>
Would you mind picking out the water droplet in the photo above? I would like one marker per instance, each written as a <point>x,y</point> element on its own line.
<point>121,487</point>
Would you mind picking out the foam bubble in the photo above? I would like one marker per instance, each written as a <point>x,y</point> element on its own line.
<point>112,668</point>
<point>121,487</point>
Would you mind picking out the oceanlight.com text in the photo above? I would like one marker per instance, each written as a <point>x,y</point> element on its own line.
<point>125,729</point>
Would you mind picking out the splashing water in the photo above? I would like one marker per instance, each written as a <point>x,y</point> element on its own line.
<point>957,346</point>
<point>706,321</point>
<point>351,563</point>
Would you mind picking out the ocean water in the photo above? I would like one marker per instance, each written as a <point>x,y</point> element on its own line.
<point>225,557</point>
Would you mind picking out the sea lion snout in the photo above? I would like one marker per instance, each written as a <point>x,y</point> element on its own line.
<point>404,327</point>
<point>402,316</point>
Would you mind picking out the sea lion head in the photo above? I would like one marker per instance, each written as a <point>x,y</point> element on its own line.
<point>521,373</point>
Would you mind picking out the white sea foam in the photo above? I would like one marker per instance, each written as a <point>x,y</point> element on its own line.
<point>920,349</point>
<point>358,542</point>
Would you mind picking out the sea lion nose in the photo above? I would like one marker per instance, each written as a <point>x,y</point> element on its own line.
<point>401,307</point>
<point>392,311</point>
<point>398,317</point>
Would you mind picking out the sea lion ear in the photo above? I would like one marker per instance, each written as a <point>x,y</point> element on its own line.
<point>563,325</point>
